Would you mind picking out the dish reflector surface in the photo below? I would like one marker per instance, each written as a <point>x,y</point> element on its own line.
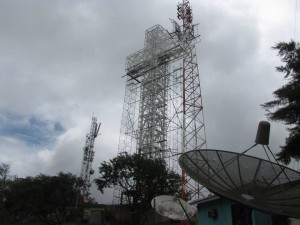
<point>252,181</point>
<point>170,207</point>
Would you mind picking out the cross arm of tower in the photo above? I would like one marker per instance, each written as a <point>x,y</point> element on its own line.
<point>162,50</point>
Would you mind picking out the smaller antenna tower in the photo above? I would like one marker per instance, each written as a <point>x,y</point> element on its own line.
<point>88,157</point>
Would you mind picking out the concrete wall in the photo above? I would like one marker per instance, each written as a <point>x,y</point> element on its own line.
<point>121,215</point>
<point>295,221</point>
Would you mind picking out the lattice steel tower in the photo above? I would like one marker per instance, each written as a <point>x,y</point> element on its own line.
<point>88,157</point>
<point>162,112</point>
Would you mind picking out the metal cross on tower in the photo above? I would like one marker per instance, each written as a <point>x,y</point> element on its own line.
<point>88,157</point>
<point>163,81</point>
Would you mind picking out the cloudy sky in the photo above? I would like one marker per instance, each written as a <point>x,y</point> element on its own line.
<point>61,62</point>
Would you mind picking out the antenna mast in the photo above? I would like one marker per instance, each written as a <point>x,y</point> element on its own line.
<point>88,157</point>
<point>190,77</point>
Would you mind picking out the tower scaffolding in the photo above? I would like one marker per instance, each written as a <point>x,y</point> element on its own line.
<point>163,81</point>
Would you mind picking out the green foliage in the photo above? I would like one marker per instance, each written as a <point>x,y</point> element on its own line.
<point>44,197</point>
<point>140,178</point>
<point>286,104</point>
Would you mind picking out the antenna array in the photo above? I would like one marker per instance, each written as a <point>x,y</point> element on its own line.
<point>88,157</point>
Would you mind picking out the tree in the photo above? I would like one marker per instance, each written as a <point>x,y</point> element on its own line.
<point>4,170</point>
<point>44,197</point>
<point>4,185</point>
<point>286,104</point>
<point>140,178</point>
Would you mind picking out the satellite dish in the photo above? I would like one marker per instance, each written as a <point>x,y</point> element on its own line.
<point>252,181</point>
<point>173,207</point>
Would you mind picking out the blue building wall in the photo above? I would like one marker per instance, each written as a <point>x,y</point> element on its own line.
<point>224,213</point>
<point>223,208</point>
<point>260,218</point>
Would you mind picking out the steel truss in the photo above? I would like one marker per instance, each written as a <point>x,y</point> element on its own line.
<point>163,81</point>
